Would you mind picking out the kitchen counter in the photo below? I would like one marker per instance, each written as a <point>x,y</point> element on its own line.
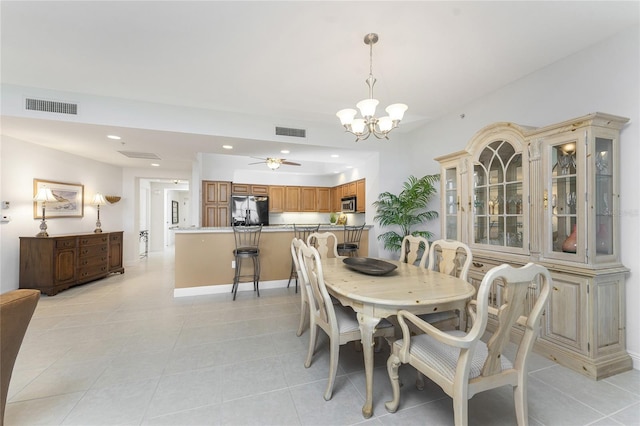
<point>204,257</point>
<point>270,228</point>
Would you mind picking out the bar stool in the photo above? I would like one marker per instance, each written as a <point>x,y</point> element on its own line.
<point>247,241</point>
<point>351,242</point>
<point>301,233</point>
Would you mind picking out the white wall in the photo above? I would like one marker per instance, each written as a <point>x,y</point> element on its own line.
<point>21,162</point>
<point>604,78</point>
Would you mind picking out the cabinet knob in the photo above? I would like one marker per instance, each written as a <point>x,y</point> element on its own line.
<point>478,264</point>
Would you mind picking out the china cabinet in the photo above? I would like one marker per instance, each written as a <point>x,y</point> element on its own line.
<point>548,195</point>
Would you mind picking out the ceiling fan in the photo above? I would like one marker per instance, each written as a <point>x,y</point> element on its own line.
<point>274,163</point>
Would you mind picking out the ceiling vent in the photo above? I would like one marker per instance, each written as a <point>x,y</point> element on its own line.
<point>143,155</point>
<point>288,131</point>
<point>51,106</point>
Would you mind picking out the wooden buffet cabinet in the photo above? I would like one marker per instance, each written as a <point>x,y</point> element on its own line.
<point>549,195</point>
<point>56,263</point>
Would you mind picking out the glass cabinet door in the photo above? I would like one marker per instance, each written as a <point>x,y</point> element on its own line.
<point>498,196</point>
<point>604,196</point>
<point>564,198</point>
<point>451,204</point>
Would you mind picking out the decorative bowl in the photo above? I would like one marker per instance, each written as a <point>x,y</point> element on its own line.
<point>369,266</point>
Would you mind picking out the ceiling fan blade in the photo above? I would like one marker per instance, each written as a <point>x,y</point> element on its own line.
<point>290,163</point>
<point>260,158</point>
<point>258,162</point>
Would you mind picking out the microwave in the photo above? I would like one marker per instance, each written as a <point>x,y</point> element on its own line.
<point>348,205</point>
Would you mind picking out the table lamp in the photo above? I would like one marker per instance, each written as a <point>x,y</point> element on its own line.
<point>44,195</point>
<point>98,200</point>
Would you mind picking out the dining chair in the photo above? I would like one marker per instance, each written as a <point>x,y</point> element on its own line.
<point>296,244</point>
<point>323,241</point>
<point>410,248</point>
<point>337,321</point>
<point>16,309</point>
<point>301,233</point>
<point>247,240</point>
<point>454,258</point>
<point>461,363</point>
<point>351,240</point>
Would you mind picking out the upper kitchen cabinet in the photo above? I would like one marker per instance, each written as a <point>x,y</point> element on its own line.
<point>292,199</point>
<point>248,189</point>
<point>276,199</point>
<point>323,197</point>
<point>308,199</point>
<point>361,198</point>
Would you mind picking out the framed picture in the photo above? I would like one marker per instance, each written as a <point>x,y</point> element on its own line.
<point>174,212</point>
<point>70,198</point>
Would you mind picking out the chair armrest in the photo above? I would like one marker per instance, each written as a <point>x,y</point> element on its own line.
<point>404,316</point>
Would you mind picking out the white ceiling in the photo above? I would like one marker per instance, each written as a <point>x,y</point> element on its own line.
<point>291,61</point>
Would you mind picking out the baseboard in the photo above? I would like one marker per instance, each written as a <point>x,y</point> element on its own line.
<point>226,288</point>
<point>636,360</point>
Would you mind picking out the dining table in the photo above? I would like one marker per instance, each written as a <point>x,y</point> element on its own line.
<point>383,295</point>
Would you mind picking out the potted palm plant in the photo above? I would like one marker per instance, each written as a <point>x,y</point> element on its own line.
<point>405,210</point>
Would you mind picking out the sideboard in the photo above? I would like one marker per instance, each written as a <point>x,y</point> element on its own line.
<point>56,263</point>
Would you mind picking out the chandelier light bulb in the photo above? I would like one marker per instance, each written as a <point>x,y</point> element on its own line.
<point>369,124</point>
<point>346,116</point>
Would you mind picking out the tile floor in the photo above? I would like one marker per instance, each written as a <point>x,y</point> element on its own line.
<point>124,351</point>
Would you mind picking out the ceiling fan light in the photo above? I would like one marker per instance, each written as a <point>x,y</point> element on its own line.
<point>367,107</point>
<point>358,126</point>
<point>396,111</point>
<point>385,124</point>
<point>346,116</point>
<point>273,163</point>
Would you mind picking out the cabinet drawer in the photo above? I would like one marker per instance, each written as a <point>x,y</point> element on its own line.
<point>93,260</point>
<point>92,271</point>
<point>62,243</point>
<point>86,251</point>
<point>114,238</point>
<point>481,267</point>
<point>92,240</point>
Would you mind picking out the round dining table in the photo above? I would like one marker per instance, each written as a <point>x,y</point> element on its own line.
<point>373,297</point>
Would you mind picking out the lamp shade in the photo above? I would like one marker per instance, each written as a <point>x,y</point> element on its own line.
<point>346,116</point>
<point>99,200</point>
<point>358,126</point>
<point>385,124</point>
<point>45,195</point>
<point>367,107</point>
<point>396,111</point>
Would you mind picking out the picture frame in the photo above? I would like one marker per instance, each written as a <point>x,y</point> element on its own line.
<point>70,196</point>
<point>174,212</point>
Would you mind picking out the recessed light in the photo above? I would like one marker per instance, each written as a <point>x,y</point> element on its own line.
<point>349,167</point>
<point>334,156</point>
<point>336,172</point>
<point>155,164</point>
<point>114,137</point>
<point>285,151</point>
<point>227,146</point>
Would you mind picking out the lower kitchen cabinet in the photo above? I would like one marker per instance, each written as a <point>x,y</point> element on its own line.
<point>54,264</point>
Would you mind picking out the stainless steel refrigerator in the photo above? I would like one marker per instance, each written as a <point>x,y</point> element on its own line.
<point>247,210</point>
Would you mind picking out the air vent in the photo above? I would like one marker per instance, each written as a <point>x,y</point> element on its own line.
<point>51,106</point>
<point>287,131</point>
<point>143,155</point>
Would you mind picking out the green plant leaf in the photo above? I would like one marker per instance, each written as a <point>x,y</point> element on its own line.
<point>406,210</point>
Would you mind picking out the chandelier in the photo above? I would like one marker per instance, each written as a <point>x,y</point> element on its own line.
<point>369,125</point>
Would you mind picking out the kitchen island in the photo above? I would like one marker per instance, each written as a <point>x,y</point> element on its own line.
<point>204,258</point>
